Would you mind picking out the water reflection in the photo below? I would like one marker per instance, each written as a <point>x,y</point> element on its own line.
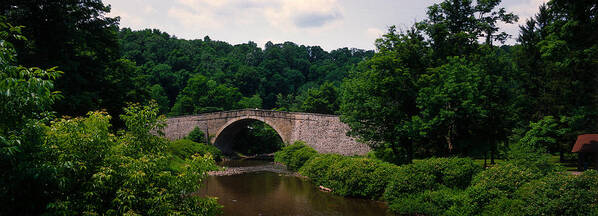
<point>267,193</point>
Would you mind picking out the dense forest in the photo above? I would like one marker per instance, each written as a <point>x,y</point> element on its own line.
<point>446,86</point>
<point>195,76</point>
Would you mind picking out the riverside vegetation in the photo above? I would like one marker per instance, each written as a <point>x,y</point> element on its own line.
<point>450,186</point>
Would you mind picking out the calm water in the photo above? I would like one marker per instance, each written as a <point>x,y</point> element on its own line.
<point>269,193</point>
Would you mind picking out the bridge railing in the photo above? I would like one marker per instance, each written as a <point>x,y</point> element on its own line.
<point>249,109</point>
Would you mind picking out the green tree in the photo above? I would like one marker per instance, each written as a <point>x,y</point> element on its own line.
<point>26,95</point>
<point>454,26</point>
<point>159,95</point>
<point>204,95</point>
<point>558,59</point>
<point>320,100</point>
<point>79,39</point>
<point>254,101</point>
<point>378,100</point>
<point>450,100</point>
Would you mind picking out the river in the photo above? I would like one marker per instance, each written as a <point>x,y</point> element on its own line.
<point>262,188</point>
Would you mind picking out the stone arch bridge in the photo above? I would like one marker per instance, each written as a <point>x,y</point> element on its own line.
<point>324,133</point>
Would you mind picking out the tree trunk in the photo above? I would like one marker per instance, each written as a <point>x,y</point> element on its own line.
<point>485,156</point>
<point>492,148</point>
<point>409,149</point>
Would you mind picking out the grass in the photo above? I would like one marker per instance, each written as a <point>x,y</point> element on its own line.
<point>568,164</point>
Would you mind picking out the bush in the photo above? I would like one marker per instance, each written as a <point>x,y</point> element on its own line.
<point>444,201</point>
<point>432,187</point>
<point>295,155</point>
<point>185,148</point>
<point>98,173</point>
<point>561,194</point>
<point>349,176</point>
<point>196,135</point>
<point>430,174</point>
<point>493,187</point>
<point>317,168</point>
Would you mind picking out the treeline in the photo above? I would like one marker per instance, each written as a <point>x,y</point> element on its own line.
<point>195,76</point>
<point>442,87</point>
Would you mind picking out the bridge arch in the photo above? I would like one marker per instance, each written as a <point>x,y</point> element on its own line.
<point>224,137</point>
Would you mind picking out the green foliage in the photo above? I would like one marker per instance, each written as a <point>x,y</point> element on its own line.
<point>317,168</point>
<point>378,98</point>
<point>560,194</point>
<point>99,173</point>
<point>432,187</point>
<point>540,136</point>
<point>204,95</point>
<point>444,201</point>
<point>320,100</point>
<point>348,176</point>
<point>197,135</point>
<point>431,174</point>
<point>254,101</point>
<point>81,40</point>
<point>492,188</point>
<point>185,149</point>
<point>450,102</point>
<point>557,58</point>
<point>158,94</point>
<point>140,121</point>
<point>295,155</point>
<point>511,190</point>
<point>285,68</point>
<point>26,95</point>
<point>532,150</point>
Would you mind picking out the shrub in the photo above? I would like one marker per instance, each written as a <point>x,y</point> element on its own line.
<point>185,148</point>
<point>561,194</point>
<point>317,168</point>
<point>99,173</point>
<point>491,188</point>
<point>444,201</point>
<point>349,176</point>
<point>359,177</point>
<point>295,155</point>
<point>196,135</point>
<point>430,174</point>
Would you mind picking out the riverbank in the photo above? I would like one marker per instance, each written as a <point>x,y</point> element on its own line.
<point>451,186</point>
<point>238,167</point>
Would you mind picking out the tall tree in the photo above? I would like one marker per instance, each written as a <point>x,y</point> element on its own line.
<point>77,37</point>
<point>378,100</point>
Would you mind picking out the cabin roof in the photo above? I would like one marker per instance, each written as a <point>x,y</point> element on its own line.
<point>586,143</point>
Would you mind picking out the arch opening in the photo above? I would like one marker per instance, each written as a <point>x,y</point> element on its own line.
<point>248,137</point>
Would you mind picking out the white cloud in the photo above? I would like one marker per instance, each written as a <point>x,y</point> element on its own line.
<point>149,9</point>
<point>190,19</point>
<point>304,14</point>
<point>524,10</point>
<point>374,33</point>
<point>283,14</point>
<point>127,19</point>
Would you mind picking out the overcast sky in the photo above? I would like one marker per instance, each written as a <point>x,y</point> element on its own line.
<point>330,24</point>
